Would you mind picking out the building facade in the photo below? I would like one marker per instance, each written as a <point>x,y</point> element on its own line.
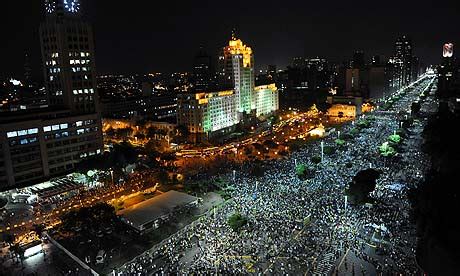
<point>45,144</point>
<point>237,72</point>
<point>404,64</point>
<point>266,99</point>
<point>157,107</point>
<point>49,141</point>
<point>209,114</point>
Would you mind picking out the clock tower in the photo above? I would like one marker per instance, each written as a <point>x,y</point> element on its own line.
<point>67,44</point>
<point>60,7</point>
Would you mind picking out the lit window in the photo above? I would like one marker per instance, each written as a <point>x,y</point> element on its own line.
<point>72,61</point>
<point>47,128</point>
<point>23,141</point>
<point>22,132</point>
<point>11,134</point>
<point>75,92</point>
<point>79,123</point>
<point>80,131</point>
<point>55,127</point>
<point>32,131</point>
<point>64,126</point>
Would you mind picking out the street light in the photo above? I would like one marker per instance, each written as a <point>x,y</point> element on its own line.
<point>346,199</point>
<point>322,151</point>
<point>338,134</point>
<point>111,173</point>
<point>234,175</point>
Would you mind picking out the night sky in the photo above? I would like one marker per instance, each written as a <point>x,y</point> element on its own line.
<point>147,36</point>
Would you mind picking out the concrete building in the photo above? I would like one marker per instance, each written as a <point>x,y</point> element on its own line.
<point>48,141</point>
<point>42,144</point>
<point>266,99</point>
<point>155,107</point>
<point>209,114</point>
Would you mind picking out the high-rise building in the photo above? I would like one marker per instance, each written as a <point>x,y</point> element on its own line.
<point>202,72</point>
<point>358,60</point>
<point>237,72</point>
<point>448,73</point>
<point>48,141</point>
<point>211,114</point>
<point>403,63</point>
<point>67,45</point>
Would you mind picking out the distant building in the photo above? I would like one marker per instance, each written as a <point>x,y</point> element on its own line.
<point>404,64</point>
<point>157,107</point>
<point>344,107</point>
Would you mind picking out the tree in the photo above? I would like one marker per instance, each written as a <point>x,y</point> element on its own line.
<point>38,229</point>
<point>110,132</point>
<point>328,150</point>
<point>415,108</point>
<point>304,172</point>
<point>8,238</point>
<point>363,184</point>
<point>258,170</point>
<point>315,159</point>
<point>340,142</point>
<point>236,221</point>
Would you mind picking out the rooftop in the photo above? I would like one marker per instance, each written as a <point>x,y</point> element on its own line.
<point>155,208</point>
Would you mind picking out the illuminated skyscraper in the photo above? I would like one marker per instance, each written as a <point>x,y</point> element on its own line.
<point>237,72</point>
<point>210,114</point>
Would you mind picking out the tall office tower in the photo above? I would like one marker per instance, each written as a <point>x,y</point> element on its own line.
<point>202,70</point>
<point>44,142</point>
<point>403,62</point>
<point>237,71</point>
<point>67,45</point>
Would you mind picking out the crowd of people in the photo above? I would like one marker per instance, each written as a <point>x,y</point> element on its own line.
<point>307,225</point>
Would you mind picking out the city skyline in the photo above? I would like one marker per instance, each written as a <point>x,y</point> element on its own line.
<point>127,37</point>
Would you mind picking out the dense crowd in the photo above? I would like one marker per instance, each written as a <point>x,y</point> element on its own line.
<point>306,225</point>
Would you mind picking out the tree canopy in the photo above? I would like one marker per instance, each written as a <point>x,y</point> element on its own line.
<point>363,184</point>
<point>236,221</point>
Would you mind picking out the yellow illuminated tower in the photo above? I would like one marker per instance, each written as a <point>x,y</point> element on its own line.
<point>237,72</point>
